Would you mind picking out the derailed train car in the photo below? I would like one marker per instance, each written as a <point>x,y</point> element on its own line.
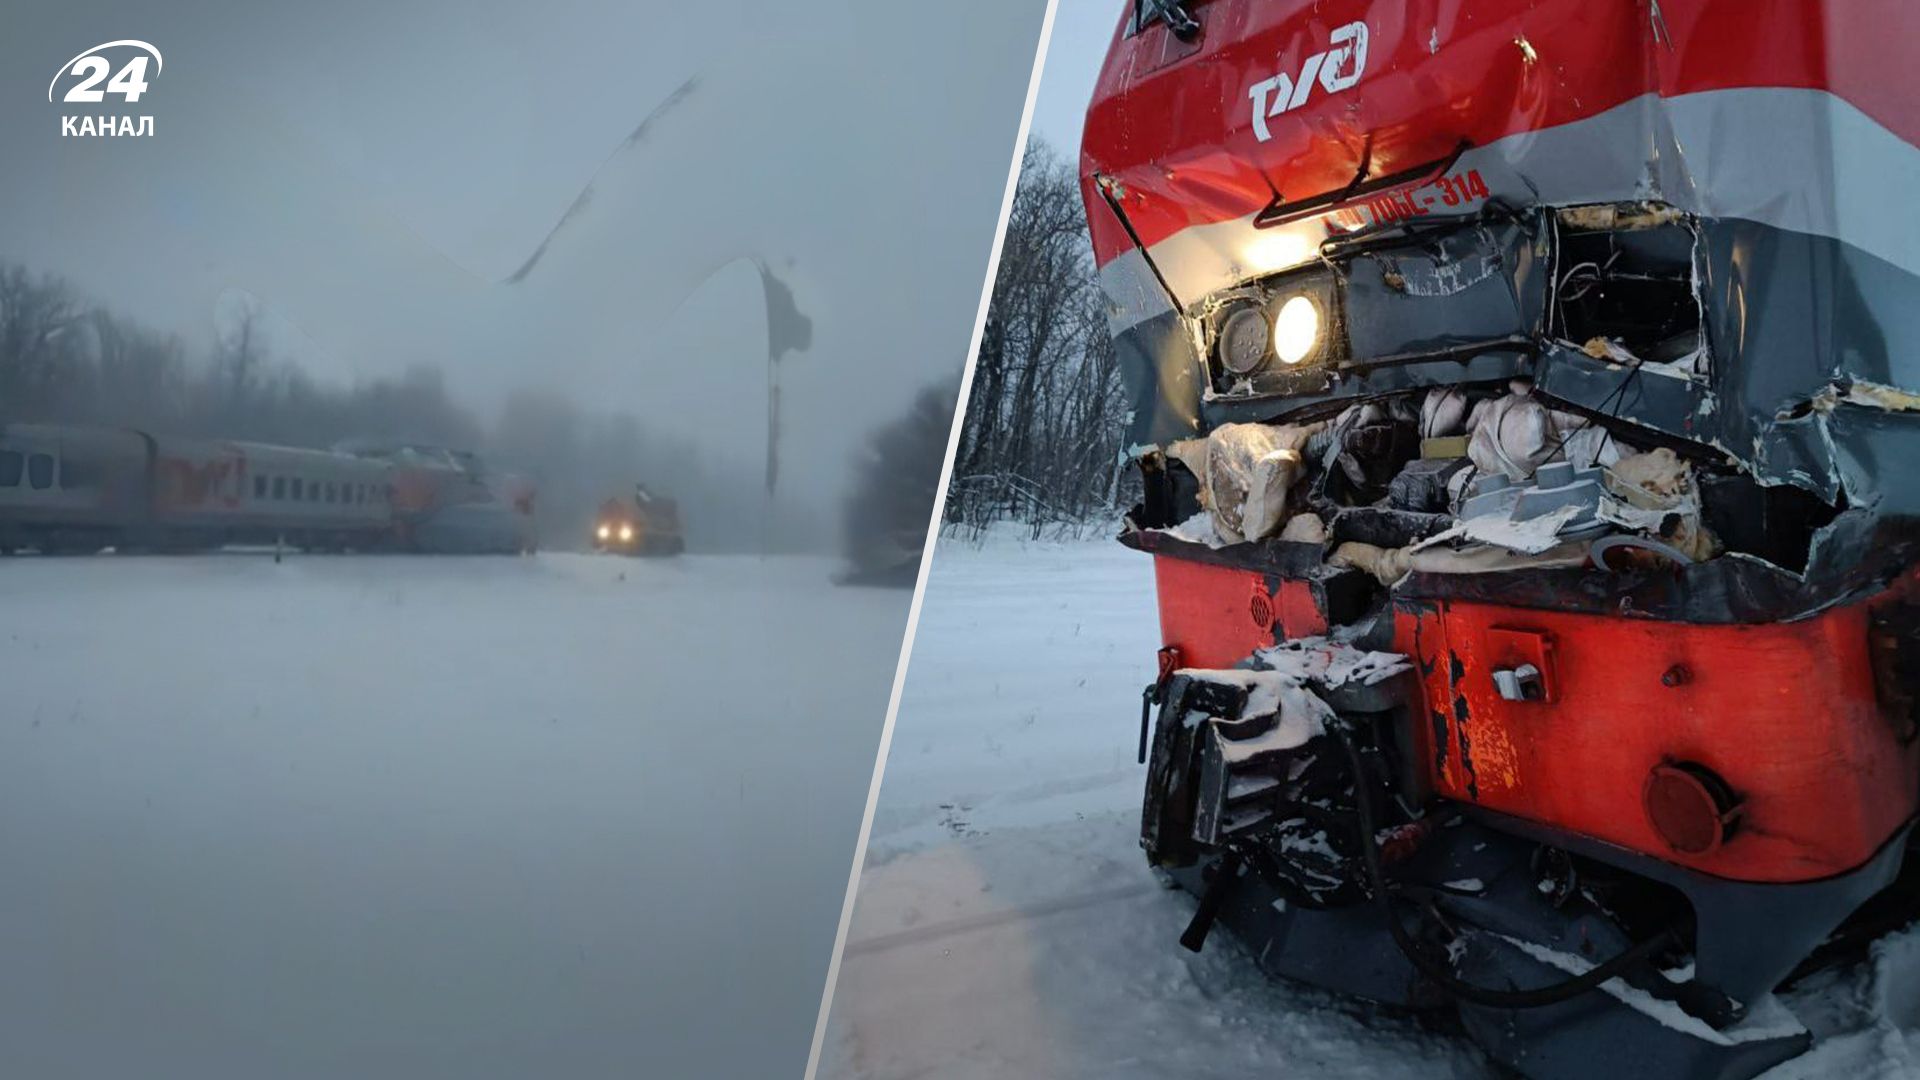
<point>74,489</point>
<point>1524,395</point>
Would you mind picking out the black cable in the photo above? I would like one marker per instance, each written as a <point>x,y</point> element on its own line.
<point>1433,969</point>
<point>1631,382</point>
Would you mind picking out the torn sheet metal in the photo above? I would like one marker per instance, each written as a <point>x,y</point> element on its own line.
<point>1779,167</point>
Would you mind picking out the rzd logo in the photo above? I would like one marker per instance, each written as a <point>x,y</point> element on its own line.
<point>1337,68</point>
<point>89,70</point>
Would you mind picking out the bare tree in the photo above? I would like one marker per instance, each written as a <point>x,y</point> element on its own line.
<point>1046,413</point>
<point>38,354</point>
<point>238,363</point>
<point>138,374</point>
<point>896,480</point>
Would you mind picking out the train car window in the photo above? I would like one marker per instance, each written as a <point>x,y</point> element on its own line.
<point>12,463</point>
<point>259,487</point>
<point>40,471</point>
<point>279,487</point>
<point>293,489</point>
<point>333,492</point>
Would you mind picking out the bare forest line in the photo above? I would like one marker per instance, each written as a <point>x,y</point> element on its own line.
<point>1042,440</point>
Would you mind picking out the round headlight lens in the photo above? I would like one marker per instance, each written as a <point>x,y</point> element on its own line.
<point>1243,341</point>
<point>626,532</point>
<point>604,532</point>
<point>1296,330</point>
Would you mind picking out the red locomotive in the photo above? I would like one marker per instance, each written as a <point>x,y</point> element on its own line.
<point>641,523</point>
<point>1523,395</point>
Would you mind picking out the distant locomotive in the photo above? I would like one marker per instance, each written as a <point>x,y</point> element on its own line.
<point>639,524</point>
<point>76,490</point>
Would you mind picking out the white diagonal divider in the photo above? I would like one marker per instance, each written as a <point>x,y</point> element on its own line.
<point>926,553</point>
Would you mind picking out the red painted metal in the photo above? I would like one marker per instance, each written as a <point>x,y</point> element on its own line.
<point>1203,612</point>
<point>200,477</point>
<point>1174,125</point>
<point>1213,614</point>
<point>1785,713</point>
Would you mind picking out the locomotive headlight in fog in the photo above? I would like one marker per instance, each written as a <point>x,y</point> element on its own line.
<point>604,532</point>
<point>1296,330</point>
<point>626,532</point>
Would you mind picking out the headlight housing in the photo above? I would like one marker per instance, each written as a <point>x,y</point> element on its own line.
<point>1277,337</point>
<point>604,532</point>
<point>626,532</point>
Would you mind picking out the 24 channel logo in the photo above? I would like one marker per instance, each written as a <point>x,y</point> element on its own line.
<point>85,74</point>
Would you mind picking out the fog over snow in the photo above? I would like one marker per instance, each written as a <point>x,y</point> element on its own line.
<point>424,818</point>
<point>534,193</point>
<point>440,817</point>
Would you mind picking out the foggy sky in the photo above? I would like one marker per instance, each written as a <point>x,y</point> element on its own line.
<point>1082,30</point>
<point>374,174</point>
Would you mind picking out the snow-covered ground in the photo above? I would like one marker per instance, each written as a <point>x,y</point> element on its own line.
<point>1006,923</point>
<point>565,816</point>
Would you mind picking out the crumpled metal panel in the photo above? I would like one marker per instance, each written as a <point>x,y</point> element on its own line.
<point>1815,346</point>
<point>1792,149</point>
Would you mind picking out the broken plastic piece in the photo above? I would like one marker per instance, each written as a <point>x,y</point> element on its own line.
<point>1521,683</point>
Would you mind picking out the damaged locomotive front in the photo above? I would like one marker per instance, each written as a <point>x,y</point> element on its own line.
<point>1538,575</point>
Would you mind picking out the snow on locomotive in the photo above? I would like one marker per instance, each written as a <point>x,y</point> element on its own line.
<point>1524,394</point>
<point>73,489</point>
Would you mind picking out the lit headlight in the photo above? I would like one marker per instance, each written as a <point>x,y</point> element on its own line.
<point>1296,330</point>
<point>626,532</point>
<point>604,532</point>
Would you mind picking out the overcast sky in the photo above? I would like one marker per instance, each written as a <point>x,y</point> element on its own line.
<point>1082,30</point>
<point>375,173</point>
